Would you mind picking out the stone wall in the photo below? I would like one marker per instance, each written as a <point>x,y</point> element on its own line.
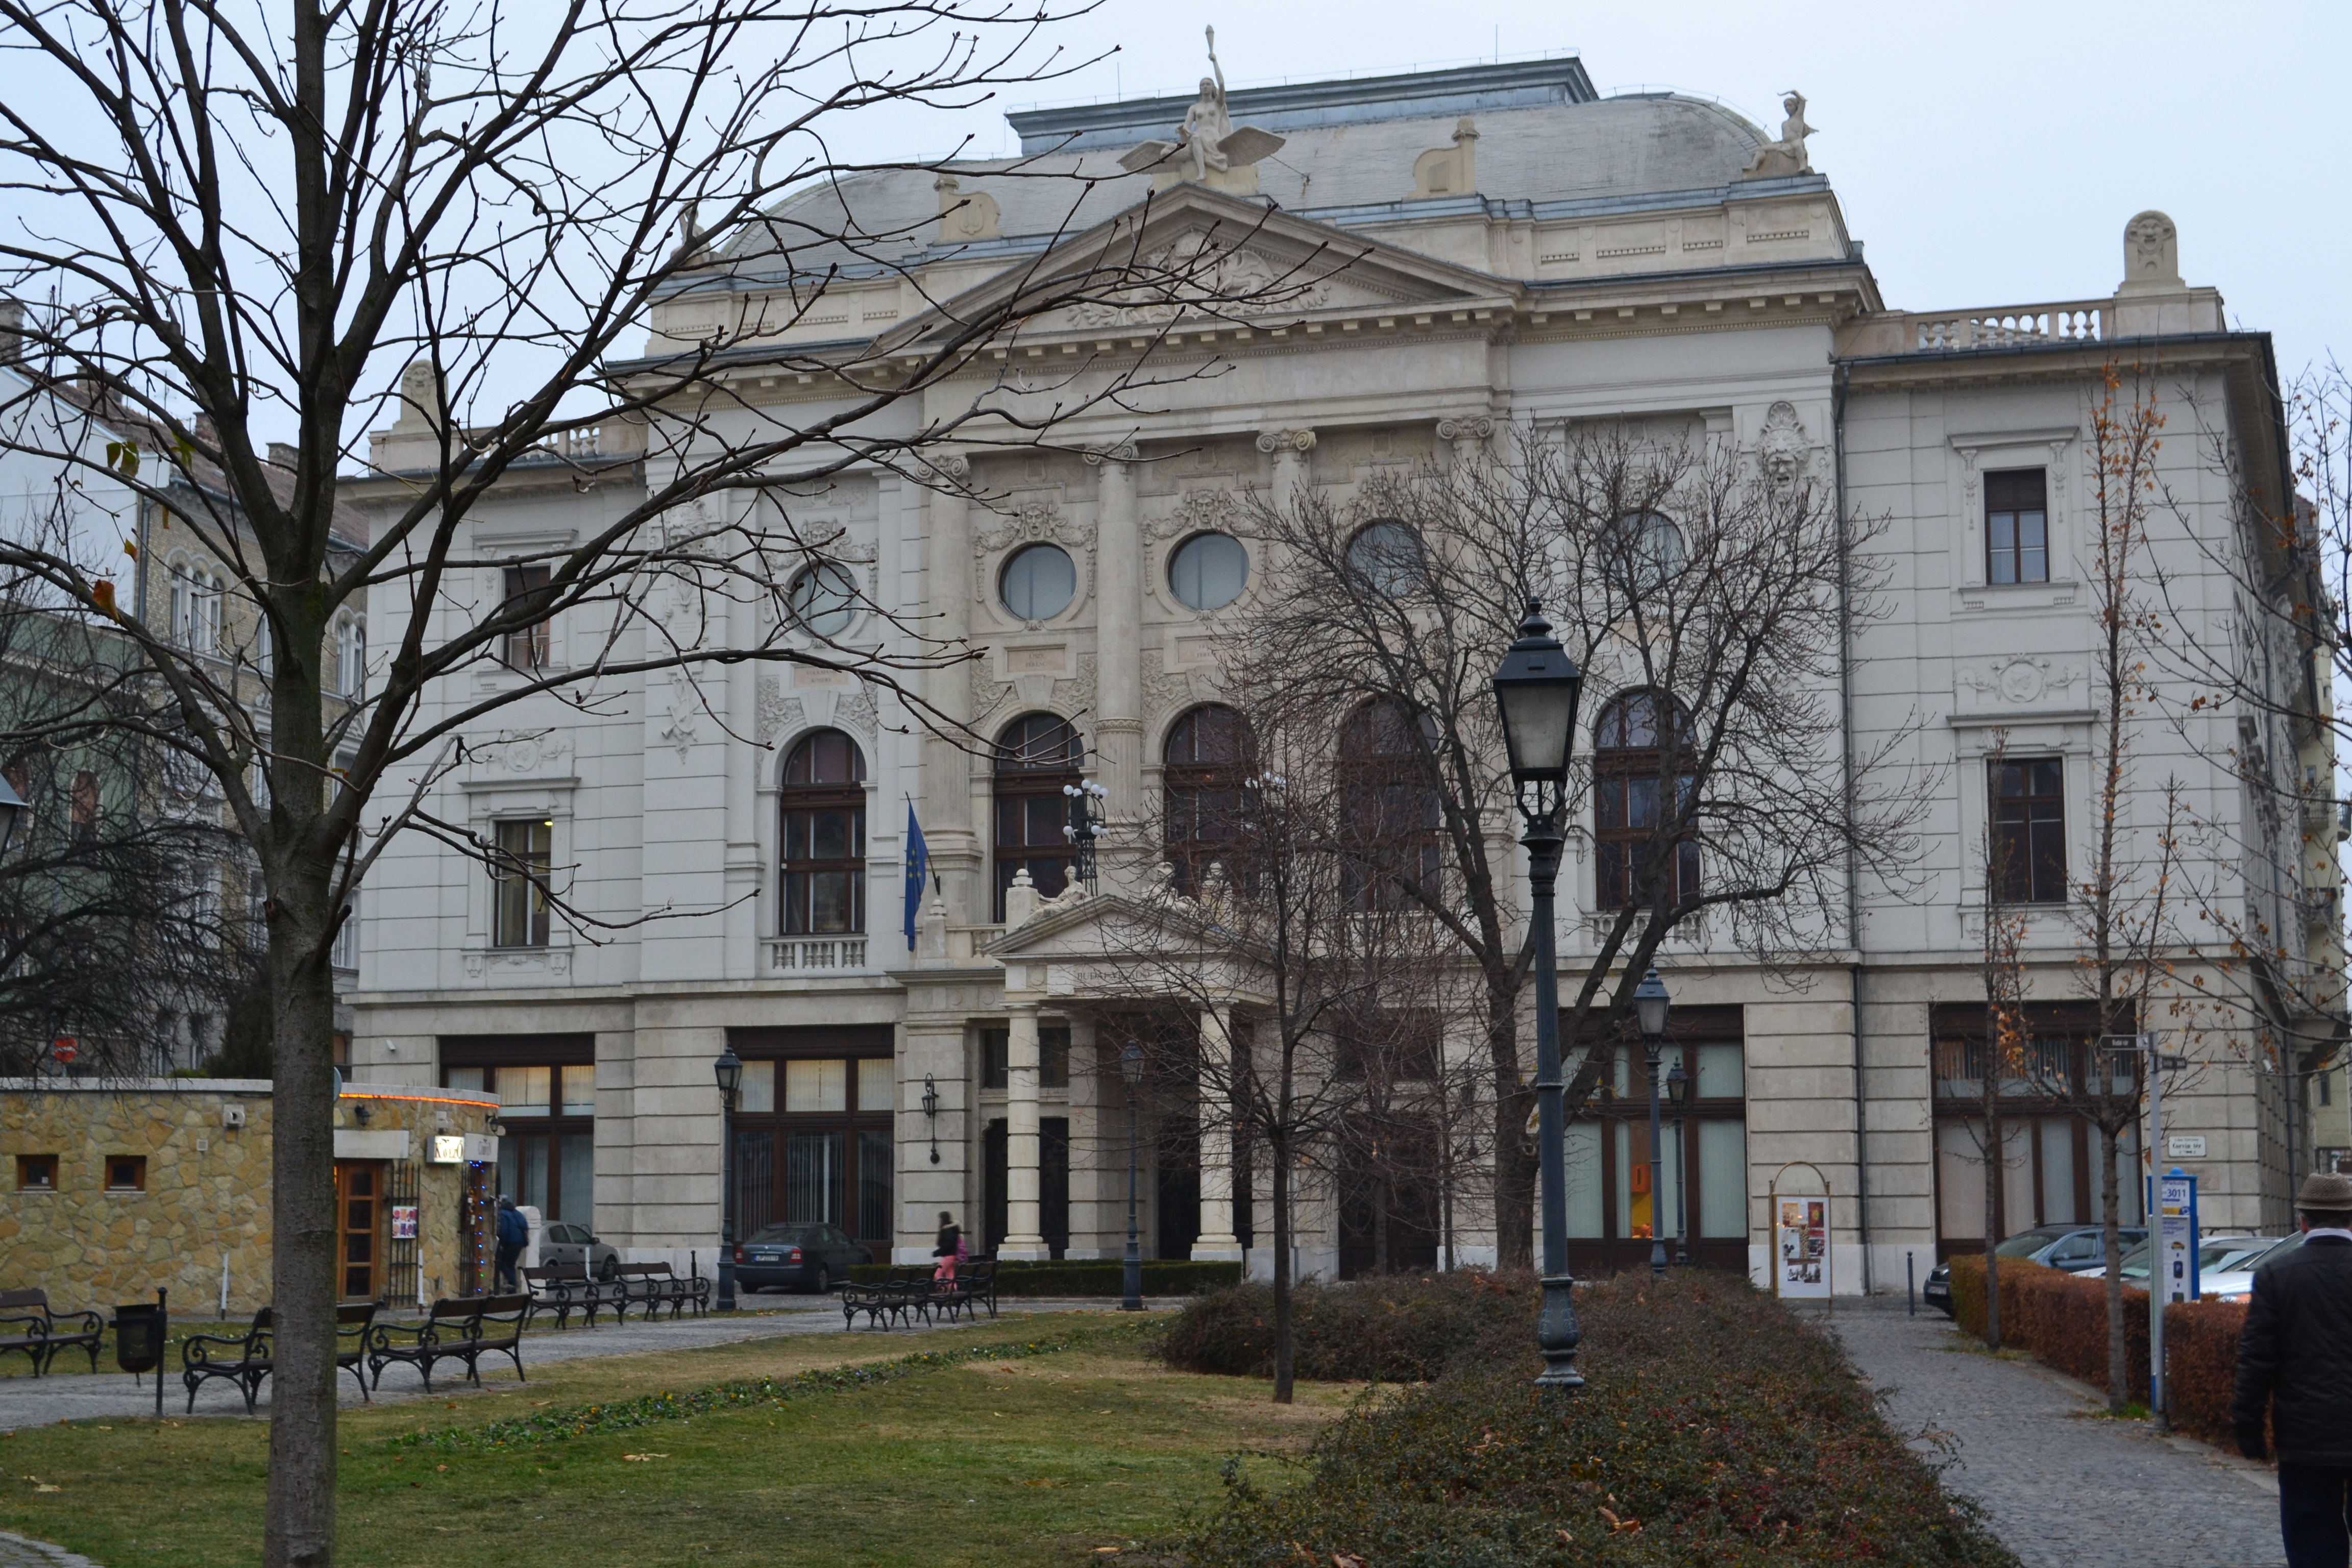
<point>204,1204</point>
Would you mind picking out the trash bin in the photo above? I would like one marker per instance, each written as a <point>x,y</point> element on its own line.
<point>139,1327</point>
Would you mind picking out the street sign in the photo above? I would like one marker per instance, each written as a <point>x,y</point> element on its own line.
<point>2185,1146</point>
<point>64,1047</point>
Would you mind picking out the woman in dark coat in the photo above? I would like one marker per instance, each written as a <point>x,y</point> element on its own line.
<point>949,1247</point>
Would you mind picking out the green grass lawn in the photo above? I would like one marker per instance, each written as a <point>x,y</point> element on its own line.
<point>1037,1460</point>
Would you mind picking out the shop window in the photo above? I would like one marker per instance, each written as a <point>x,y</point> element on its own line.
<point>37,1173</point>
<point>814,1146</point>
<point>824,806</point>
<point>126,1173</point>
<point>1036,757</point>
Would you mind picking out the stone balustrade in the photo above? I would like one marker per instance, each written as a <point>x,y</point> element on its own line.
<point>800,954</point>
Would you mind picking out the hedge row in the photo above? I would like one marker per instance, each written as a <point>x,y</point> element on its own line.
<point>2062,1319</point>
<point>1716,1429</point>
<point>1403,1329</point>
<point>1162,1276</point>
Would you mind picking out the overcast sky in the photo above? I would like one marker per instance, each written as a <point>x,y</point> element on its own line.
<point>1988,154</point>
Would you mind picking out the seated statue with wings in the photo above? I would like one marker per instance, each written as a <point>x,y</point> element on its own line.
<point>1207,139</point>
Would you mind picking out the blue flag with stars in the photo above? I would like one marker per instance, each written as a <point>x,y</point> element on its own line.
<point>919,872</point>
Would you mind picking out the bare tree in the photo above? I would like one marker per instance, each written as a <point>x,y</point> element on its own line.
<point>298,220</point>
<point>2004,1051</point>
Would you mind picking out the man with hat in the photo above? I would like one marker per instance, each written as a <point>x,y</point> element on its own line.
<point>2295,1356</point>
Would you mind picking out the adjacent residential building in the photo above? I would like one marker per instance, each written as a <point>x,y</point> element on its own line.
<point>1520,255</point>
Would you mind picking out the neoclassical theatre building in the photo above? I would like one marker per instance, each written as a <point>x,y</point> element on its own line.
<point>1524,255</point>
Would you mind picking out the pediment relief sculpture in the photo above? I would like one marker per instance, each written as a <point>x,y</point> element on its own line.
<point>1197,275</point>
<point>1196,512</point>
<point>2018,681</point>
<point>1030,522</point>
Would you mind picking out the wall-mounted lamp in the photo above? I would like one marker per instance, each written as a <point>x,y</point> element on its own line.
<point>932,1114</point>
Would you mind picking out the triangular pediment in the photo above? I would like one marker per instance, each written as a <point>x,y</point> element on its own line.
<point>1190,252</point>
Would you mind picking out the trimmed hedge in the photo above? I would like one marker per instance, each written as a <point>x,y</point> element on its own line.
<point>1402,1329</point>
<point>1162,1276</point>
<point>2062,1319</point>
<point>1716,1427</point>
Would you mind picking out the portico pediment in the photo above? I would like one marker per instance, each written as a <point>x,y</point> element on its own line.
<point>1110,947</point>
<point>1193,252</point>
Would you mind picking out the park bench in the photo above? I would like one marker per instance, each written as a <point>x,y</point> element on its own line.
<point>974,1286</point>
<point>906,1292</point>
<point>245,1359</point>
<point>560,1287</point>
<point>657,1284</point>
<point>464,1329</point>
<point>26,1324</point>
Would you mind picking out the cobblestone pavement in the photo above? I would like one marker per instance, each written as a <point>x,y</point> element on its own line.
<point>16,1551</point>
<point>2063,1489</point>
<point>81,1396</point>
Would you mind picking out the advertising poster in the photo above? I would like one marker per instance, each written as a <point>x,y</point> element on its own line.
<point>1802,1246</point>
<point>404,1221</point>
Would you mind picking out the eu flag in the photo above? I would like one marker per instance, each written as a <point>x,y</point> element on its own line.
<point>919,872</point>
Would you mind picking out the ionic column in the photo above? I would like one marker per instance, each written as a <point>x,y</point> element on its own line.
<point>1217,1243</point>
<point>1289,448</point>
<point>1119,633</point>
<point>1022,1239</point>
<point>1468,438</point>
<point>946,807</point>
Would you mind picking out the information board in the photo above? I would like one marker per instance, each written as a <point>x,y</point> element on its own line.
<point>2176,1236</point>
<point>1802,1246</point>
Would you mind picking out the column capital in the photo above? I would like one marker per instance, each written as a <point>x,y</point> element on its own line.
<point>1474,427</point>
<point>1119,454</point>
<point>1286,441</point>
<point>952,466</point>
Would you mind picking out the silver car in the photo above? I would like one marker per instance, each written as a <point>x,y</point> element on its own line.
<point>567,1245</point>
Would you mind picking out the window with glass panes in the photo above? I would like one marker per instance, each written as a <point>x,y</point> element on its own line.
<point>823,805</point>
<point>2017,526</point>
<point>546,1089</point>
<point>812,1132</point>
<point>1703,1179</point>
<point>1639,747</point>
<point>2029,831</point>
<point>1208,753</point>
<point>1036,756</point>
<point>519,872</point>
<point>1389,805</point>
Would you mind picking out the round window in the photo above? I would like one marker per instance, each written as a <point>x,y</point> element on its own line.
<point>822,599</point>
<point>1209,570</point>
<point>1387,556</point>
<point>1038,583</point>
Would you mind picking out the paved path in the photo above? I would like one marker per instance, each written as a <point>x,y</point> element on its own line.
<point>81,1396</point>
<point>16,1551</point>
<point>2065,1489</point>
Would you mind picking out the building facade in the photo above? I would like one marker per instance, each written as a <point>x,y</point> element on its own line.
<point>1515,256</point>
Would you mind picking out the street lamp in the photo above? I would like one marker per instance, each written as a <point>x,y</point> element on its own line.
<point>1650,1004</point>
<point>1130,1066</point>
<point>932,1114</point>
<point>1678,1085</point>
<point>728,1070</point>
<point>1537,689</point>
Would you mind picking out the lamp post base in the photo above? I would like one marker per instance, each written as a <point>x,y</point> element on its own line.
<point>1132,1301</point>
<point>1557,1335</point>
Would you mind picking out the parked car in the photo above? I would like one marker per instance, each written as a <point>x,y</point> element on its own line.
<point>803,1257</point>
<point>2074,1249</point>
<point>567,1245</point>
<point>2235,1281</point>
<point>2221,1261</point>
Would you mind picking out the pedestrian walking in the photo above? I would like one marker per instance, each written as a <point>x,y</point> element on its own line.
<point>949,1251</point>
<point>2295,1360</point>
<point>514,1235</point>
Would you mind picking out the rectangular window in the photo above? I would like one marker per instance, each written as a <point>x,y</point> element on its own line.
<point>528,647</point>
<point>1722,1176</point>
<point>346,952</point>
<point>1582,1163</point>
<point>525,854</point>
<point>995,1055</point>
<point>523,1091</point>
<point>2029,831</point>
<point>579,1091</point>
<point>824,867</point>
<point>37,1173</point>
<point>85,806</point>
<point>465,1081</point>
<point>758,1093</point>
<point>2017,526</point>
<point>877,1076</point>
<point>817,1086</point>
<point>126,1173</point>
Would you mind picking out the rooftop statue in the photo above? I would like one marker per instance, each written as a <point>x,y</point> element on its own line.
<point>1786,156</point>
<point>1207,139</point>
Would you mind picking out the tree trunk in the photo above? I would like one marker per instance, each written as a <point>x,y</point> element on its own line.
<point>1992,1150</point>
<point>1514,1162</point>
<point>1284,1358</point>
<point>2110,1224</point>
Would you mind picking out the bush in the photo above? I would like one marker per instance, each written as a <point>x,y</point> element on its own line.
<point>1162,1276</point>
<point>2062,1319</point>
<point>1716,1429</point>
<point>1400,1329</point>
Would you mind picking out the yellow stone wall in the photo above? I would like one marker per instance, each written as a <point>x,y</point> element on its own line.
<point>207,1191</point>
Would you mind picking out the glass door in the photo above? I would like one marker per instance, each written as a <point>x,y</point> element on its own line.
<point>359,1217</point>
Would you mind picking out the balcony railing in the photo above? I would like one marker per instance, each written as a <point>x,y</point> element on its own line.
<point>801,954</point>
<point>2076,321</point>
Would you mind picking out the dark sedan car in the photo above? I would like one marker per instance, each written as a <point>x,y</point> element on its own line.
<point>2070,1248</point>
<point>803,1257</point>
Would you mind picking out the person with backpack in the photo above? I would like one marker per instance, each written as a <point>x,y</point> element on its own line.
<point>514,1235</point>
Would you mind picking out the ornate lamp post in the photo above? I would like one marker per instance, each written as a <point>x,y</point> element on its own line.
<point>1537,689</point>
<point>1678,1085</point>
<point>1130,1066</point>
<point>1650,1004</point>
<point>728,1070</point>
<point>932,1113</point>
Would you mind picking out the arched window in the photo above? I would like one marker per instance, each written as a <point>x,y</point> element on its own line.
<point>1389,785</point>
<point>1650,547</point>
<point>824,835</point>
<point>1208,752</point>
<point>1387,557</point>
<point>350,658</point>
<point>1035,756</point>
<point>1641,745</point>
